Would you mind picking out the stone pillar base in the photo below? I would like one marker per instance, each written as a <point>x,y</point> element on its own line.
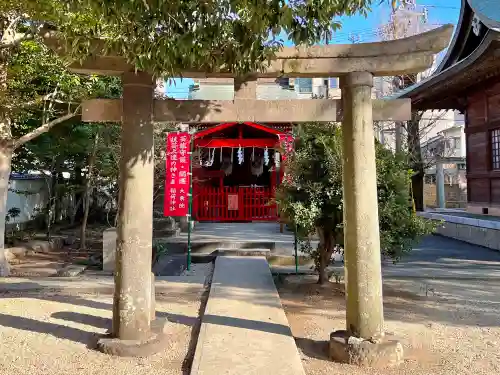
<point>157,342</point>
<point>355,351</point>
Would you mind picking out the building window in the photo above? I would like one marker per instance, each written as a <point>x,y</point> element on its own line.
<point>495,149</point>
<point>430,179</point>
<point>283,81</point>
<point>305,85</point>
<point>334,83</point>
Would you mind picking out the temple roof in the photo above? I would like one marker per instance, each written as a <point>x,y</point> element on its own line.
<point>488,12</point>
<point>470,59</point>
<point>248,125</point>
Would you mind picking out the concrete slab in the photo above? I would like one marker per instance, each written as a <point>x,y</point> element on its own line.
<point>207,238</point>
<point>92,284</point>
<point>244,329</point>
<point>245,232</point>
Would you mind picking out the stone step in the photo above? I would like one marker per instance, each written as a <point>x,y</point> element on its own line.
<point>179,245</point>
<point>242,252</point>
<point>165,233</point>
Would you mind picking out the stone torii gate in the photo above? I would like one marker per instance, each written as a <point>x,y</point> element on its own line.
<point>356,64</point>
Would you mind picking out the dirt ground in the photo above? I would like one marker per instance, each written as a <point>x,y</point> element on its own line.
<point>55,334</point>
<point>47,264</point>
<point>440,335</point>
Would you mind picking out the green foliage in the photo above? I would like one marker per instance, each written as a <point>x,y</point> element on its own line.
<point>168,36</point>
<point>40,88</point>
<point>400,228</point>
<point>312,199</point>
<point>12,213</point>
<point>159,250</point>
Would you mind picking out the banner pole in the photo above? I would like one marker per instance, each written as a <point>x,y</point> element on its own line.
<point>190,205</point>
<point>295,245</point>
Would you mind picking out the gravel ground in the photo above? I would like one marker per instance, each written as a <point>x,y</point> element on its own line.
<point>442,332</point>
<point>54,334</point>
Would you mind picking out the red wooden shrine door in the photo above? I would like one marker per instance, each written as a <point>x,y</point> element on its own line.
<point>234,204</point>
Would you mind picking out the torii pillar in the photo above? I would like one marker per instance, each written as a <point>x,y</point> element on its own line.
<point>133,300</point>
<point>363,342</point>
<point>365,316</point>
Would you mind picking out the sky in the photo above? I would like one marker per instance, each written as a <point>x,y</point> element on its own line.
<point>364,29</point>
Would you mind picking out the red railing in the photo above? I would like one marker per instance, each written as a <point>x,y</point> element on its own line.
<point>234,204</point>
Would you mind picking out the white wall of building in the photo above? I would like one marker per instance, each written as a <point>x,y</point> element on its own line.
<point>29,195</point>
<point>266,90</point>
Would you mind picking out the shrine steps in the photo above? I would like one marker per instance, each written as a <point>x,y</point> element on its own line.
<point>272,259</point>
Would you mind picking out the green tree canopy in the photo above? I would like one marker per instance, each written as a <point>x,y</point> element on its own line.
<point>167,36</point>
<point>312,197</point>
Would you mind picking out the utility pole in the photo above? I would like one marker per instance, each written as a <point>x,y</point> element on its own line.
<point>327,81</point>
<point>398,125</point>
<point>406,20</point>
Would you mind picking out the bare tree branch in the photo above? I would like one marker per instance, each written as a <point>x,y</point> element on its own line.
<point>44,128</point>
<point>10,29</point>
<point>11,39</point>
<point>16,40</point>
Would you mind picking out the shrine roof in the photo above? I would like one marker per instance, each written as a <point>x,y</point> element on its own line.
<point>221,127</point>
<point>470,59</point>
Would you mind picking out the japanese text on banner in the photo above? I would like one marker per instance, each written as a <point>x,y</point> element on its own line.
<point>177,177</point>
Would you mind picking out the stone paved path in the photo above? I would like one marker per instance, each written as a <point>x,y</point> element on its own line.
<point>244,329</point>
<point>441,257</point>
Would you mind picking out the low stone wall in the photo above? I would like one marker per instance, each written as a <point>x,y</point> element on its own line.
<point>455,197</point>
<point>34,246</point>
<point>474,231</point>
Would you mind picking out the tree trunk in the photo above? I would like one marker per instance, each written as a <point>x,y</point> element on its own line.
<point>86,193</point>
<point>48,207</point>
<point>416,160</point>
<point>59,197</point>
<point>325,249</point>
<point>5,166</point>
<point>417,185</point>
<point>79,195</point>
<point>323,276</point>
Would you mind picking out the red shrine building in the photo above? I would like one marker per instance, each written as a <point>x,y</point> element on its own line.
<point>468,80</point>
<point>236,168</point>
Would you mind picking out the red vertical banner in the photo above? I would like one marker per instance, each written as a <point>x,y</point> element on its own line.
<point>177,178</point>
<point>286,143</point>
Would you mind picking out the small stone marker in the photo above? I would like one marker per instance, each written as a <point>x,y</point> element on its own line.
<point>108,249</point>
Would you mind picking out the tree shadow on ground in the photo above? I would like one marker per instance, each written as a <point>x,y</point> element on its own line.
<point>88,300</point>
<point>85,299</point>
<point>60,331</point>
<point>463,305</point>
<point>313,348</point>
<point>86,319</point>
<point>105,323</point>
